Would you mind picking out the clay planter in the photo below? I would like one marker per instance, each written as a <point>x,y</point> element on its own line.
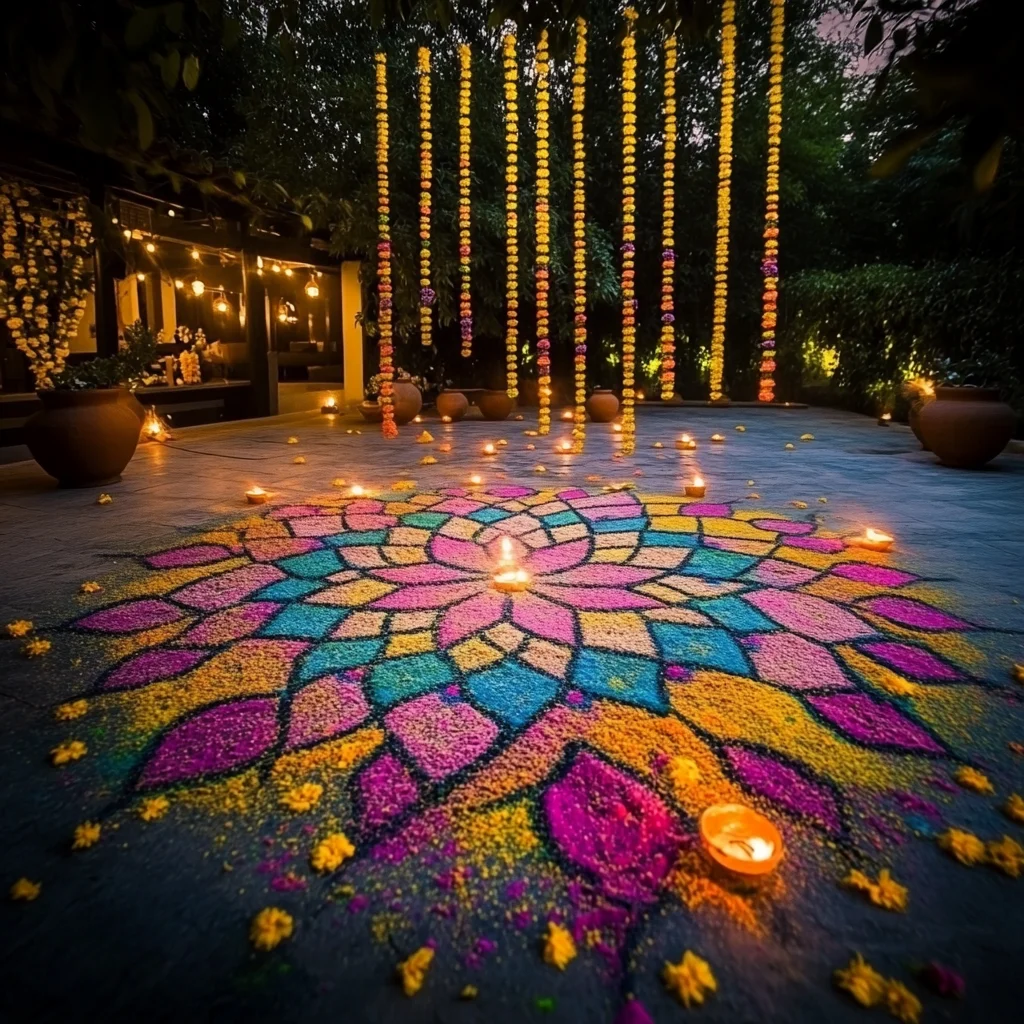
<point>494,405</point>
<point>83,438</point>
<point>966,427</point>
<point>453,404</point>
<point>372,411</point>
<point>914,418</point>
<point>407,400</point>
<point>134,404</point>
<point>602,406</point>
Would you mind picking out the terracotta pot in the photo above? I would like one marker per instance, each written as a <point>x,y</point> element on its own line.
<point>372,411</point>
<point>966,427</point>
<point>408,401</point>
<point>453,404</point>
<point>494,405</point>
<point>83,438</point>
<point>134,404</point>
<point>914,418</point>
<point>602,406</point>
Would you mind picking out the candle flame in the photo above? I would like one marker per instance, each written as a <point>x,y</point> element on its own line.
<point>356,490</point>
<point>698,481</point>
<point>255,490</point>
<point>872,534</point>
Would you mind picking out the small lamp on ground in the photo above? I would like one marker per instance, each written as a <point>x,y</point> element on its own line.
<point>745,844</point>
<point>696,489</point>
<point>330,406</point>
<point>685,443</point>
<point>256,495</point>
<point>509,577</point>
<point>872,540</point>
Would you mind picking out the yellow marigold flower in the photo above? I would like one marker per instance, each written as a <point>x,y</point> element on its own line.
<point>340,482</point>
<point>790,447</point>
<point>293,440</point>
<point>299,460</point>
<point>559,948</point>
<point>799,504</point>
<point>886,892</point>
<point>690,979</point>
<point>425,437</point>
<point>73,709</point>
<point>469,992</point>
<point>862,981</point>
<point>964,846</point>
<point>971,778</point>
<point>413,972</point>
<point>90,587</point>
<point>1018,673</point>
<point>683,772</point>
<point>740,428</point>
<point>270,927</point>
<point>902,1003</point>
<point>36,647</point>
<point>302,798</point>
<point>19,628</point>
<point>404,485</point>
<point>1014,808</point>
<point>154,807</point>
<point>72,750</point>
<point>428,460</point>
<point>87,834</point>
<point>331,852</point>
<point>1007,855</point>
<point>26,890</point>
<point>104,499</point>
<point>806,437</point>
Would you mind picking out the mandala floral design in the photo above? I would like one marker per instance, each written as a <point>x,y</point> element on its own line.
<point>360,643</point>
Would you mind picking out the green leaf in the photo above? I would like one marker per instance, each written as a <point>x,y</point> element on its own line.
<point>190,72</point>
<point>143,119</point>
<point>307,221</point>
<point>170,68</point>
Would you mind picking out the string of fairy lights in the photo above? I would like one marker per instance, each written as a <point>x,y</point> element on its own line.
<point>668,334</point>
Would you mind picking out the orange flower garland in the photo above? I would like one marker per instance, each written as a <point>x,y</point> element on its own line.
<point>511,214</point>
<point>668,229</point>
<point>724,197</point>
<point>543,227</point>
<point>426,176</point>
<point>628,231</point>
<point>465,297</point>
<point>384,294</point>
<point>579,236</point>
<point>770,262</point>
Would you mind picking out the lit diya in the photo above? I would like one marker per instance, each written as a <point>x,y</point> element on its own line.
<point>357,490</point>
<point>740,840</point>
<point>256,496</point>
<point>885,419</point>
<point>718,438</point>
<point>446,419</point>
<point>330,406</point>
<point>476,480</point>
<point>510,577</point>
<point>685,443</point>
<point>488,449</point>
<point>696,489</point>
<point>565,447</point>
<point>616,428</point>
<point>567,414</point>
<point>873,540</point>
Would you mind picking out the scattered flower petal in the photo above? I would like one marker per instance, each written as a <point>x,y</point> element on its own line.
<point>87,834</point>
<point>1007,855</point>
<point>886,893</point>
<point>964,846</point>
<point>19,628</point>
<point>293,440</point>
<point>425,437</point>
<point>559,948</point>
<point>104,499</point>
<point>36,647</point>
<point>413,972</point>
<point>90,587</point>
<point>331,852</point>
<point>862,981</point>
<point>428,460</point>
<point>945,981</point>
<point>302,798</point>
<point>26,890</point>
<point>71,710</point>
<point>270,927</point>
<point>1014,808</point>
<point>299,460</point>
<point>901,1002</point>
<point>690,980</point>
<point>972,779</point>
<point>64,753</point>
<point>153,807</point>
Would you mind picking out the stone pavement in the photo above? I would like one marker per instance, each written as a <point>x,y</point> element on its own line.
<point>151,923</point>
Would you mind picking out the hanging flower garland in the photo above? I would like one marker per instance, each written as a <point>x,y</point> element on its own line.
<point>579,236</point>
<point>511,214</point>
<point>724,197</point>
<point>628,232</point>
<point>543,227</point>
<point>426,177</point>
<point>668,229</point>
<point>387,366</point>
<point>465,297</point>
<point>770,262</point>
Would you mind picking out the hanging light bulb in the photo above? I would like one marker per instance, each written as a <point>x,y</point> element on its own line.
<point>127,233</point>
<point>312,289</point>
<point>198,288</point>
<point>196,255</point>
<point>259,262</point>
<point>276,268</point>
<point>150,247</point>
<point>140,276</point>
<point>288,271</point>
<point>221,306</point>
<point>178,283</point>
<point>171,213</point>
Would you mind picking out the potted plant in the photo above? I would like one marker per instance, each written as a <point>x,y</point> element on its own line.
<point>87,430</point>
<point>918,392</point>
<point>407,399</point>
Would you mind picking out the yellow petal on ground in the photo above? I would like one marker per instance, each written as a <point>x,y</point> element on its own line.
<point>413,972</point>
<point>559,947</point>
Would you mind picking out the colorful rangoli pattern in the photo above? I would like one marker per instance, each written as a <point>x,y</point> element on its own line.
<point>547,751</point>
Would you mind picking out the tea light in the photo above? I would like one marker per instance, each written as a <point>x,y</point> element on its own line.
<point>641,397</point>
<point>256,496</point>
<point>509,578</point>
<point>357,490</point>
<point>685,443</point>
<point>740,840</point>
<point>567,414</point>
<point>330,406</point>
<point>616,428</point>
<point>873,540</point>
<point>476,480</point>
<point>417,419</point>
<point>565,447</point>
<point>885,419</point>
<point>488,449</point>
<point>718,438</point>
<point>696,489</point>
<point>446,419</point>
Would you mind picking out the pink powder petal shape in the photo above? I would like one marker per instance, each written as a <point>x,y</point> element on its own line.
<point>877,575</point>
<point>152,665</point>
<point>603,513</point>
<point>273,548</point>
<point>461,554</point>
<point>429,572</point>
<point>429,596</point>
<point>355,522</point>
<point>316,526</point>
<point>216,740</point>
<point>559,556</point>
<point>874,722</point>
<point>130,616</point>
<point>598,574</point>
<point>195,554</point>
<point>471,616</point>
<point>774,573</point>
<point>783,526</point>
<point>324,709</point>
<point>912,661</point>
<point>510,491</point>
<point>826,545</point>
<point>604,599</point>
<point>231,623</point>
<point>229,587</point>
<point>702,509</point>
<point>791,661</point>
<point>543,618</point>
<point>574,492</point>
<point>809,616</point>
<point>458,506</point>
<point>615,498</point>
<point>364,507</point>
<point>913,613</point>
<point>385,788</point>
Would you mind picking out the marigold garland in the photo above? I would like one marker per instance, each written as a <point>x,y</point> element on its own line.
<point>628,231</point>
<point>724,197</point>
<point>426,177</point>
<point>543,228</point>
<point>511,214</point>
<point>465,139</point>
<point>579,236</point>
<point>384,293</point>
<point>668,228</point>
<point>770,262</point>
